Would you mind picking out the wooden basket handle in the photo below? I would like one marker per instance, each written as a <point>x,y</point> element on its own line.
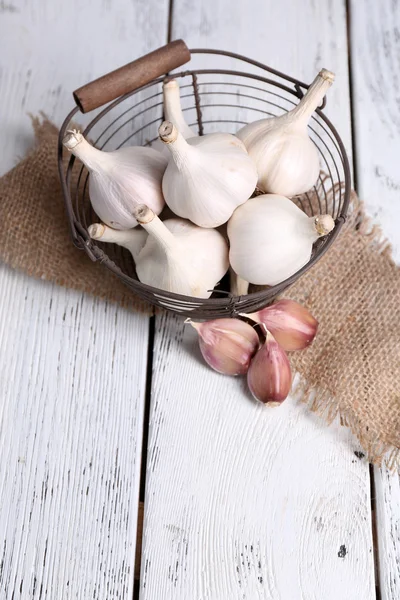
<point>131,76</point>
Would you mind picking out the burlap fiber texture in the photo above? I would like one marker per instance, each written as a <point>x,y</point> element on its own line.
<point>353,367</point>
<point>34,231</point>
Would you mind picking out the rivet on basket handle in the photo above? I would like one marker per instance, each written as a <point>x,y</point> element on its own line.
<point>131,76</point>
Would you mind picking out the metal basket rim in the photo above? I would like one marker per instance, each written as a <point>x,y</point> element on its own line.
<point>232,304</point>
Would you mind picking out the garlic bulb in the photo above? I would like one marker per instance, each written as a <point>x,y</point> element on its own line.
<point>120,180</point>
<point>207,177</point>
<point>173,109</point>
<point>176,256</point>
<point>227,345</point>
<point>287,160</point>
<point>269,376</point>
<point>271,238</point>
<point>291,324</point>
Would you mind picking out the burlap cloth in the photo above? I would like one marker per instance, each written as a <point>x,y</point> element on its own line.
<point>353,367</point>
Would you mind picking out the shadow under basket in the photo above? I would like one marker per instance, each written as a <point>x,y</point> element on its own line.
<point>213,99</point>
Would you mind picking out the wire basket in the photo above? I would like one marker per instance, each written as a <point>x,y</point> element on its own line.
<point>213,99</point>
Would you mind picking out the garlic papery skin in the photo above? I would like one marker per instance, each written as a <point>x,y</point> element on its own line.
<point>291,324</point>
<point>269,376</point>
<point>207,177</point>
<point>179,257</point>
<point>120,180</point>
<point>173,109</point>
<point>271,238</point>
<point>227,345</point>
<point>287,160</point>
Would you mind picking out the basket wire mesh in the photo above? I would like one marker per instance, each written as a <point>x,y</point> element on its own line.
<point>212,100</point>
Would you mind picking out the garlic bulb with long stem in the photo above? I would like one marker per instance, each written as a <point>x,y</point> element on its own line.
<point>120,180</point>
<point>207,177</point>
<point>227,345</point>
<point>287,160</point>
<point>269,376</point>
<point>271,238</point>
<point>176,256</point>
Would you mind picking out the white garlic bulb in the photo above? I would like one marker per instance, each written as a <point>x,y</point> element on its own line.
<point>176,256</point>
<point>120,180</point>
<point>287,160</point>
<point>207,177</point>
<point>271,238</point>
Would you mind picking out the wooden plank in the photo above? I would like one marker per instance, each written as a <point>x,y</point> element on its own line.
<point>73,368</point>
<point>243,502</point>
<point>73,374</point>
<point>387,490</point>
<point>375,42</point>
<point>375,46</point>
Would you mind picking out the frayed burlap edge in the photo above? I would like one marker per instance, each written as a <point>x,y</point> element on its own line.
<point>319,401</point>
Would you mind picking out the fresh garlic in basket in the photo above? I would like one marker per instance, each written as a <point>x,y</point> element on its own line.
<point>120,180</point>
<point>287,160</point>
<point>176,256</point>
<point>207,177</point>
<point>271,238</point>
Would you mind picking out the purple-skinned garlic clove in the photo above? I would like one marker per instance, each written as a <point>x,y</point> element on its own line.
<point>269,376</point>
<point>291,324</point>
<point>227,345</point>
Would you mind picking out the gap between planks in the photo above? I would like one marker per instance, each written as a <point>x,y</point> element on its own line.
<point>374,525</point>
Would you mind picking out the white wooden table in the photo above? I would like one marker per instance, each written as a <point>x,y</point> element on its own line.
<point>239,503</point>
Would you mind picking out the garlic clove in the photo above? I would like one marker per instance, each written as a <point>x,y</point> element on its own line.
<point>287,160</point>
<point>207,177</point>
<point>227,345</point>
<point>282,233</point>
<point>291,324</point>
<point>120,180</point>
<point>269,376</point>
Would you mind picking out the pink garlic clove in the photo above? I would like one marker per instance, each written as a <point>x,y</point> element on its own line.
<point>227,345</point>
<point>269,376</point>
<point>291,324</point>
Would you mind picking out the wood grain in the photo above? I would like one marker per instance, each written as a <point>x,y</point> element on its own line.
<point>387,489</point>
<point>73,374</point>
<point>72,367</point>
<point>243,502</point>
<point>375,43</point>
<point>51,48</point>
